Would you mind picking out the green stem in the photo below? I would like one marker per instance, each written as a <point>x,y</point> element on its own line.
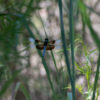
<point>96,78</point>
<point>43,26</point>
<point>71,35</point>
<point>64,42</point>
<point>54,61</point>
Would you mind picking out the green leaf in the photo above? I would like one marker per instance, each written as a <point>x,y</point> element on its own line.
<point>96,78</point>
<point>25,92</point>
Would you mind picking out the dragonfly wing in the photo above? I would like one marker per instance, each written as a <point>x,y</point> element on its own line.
<point>51,42</point>
<point>50,47</point>
<point>36,43</point>
<point>40,47</point>
<point>58,44</point>
<point>32,42</point>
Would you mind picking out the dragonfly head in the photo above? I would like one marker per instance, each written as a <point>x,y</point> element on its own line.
<point>46,39</point>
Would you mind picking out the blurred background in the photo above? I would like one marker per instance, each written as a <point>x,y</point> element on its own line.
<point>43,78</point>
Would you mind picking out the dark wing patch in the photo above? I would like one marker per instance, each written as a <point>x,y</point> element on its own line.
<point>40,44</point>
<point>40,47</point>
<point>51,42</point>
<point>38,41</point>
<point>50,47</point>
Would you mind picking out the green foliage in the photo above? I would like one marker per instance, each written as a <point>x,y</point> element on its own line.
<point>71,34</point>
<point>9,82</point>
<point>25,92</point>
<point>15,30</point>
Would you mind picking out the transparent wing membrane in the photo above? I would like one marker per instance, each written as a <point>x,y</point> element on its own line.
<point>58,44</point>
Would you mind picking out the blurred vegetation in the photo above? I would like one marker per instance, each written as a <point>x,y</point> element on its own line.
<point>69,72</point>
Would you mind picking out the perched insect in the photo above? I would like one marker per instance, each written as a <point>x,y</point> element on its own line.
<point>45,45</point>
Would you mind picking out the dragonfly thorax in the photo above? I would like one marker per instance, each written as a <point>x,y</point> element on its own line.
<point>46,42</point>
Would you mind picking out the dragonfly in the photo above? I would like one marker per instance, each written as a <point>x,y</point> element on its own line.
<point>46,45</point>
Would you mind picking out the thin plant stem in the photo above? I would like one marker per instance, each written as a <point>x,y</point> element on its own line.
<point>54,61</point>
<point>96,77</point>
<point>71,35</point>
<point>43,25</point>
<point>64,42</point>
